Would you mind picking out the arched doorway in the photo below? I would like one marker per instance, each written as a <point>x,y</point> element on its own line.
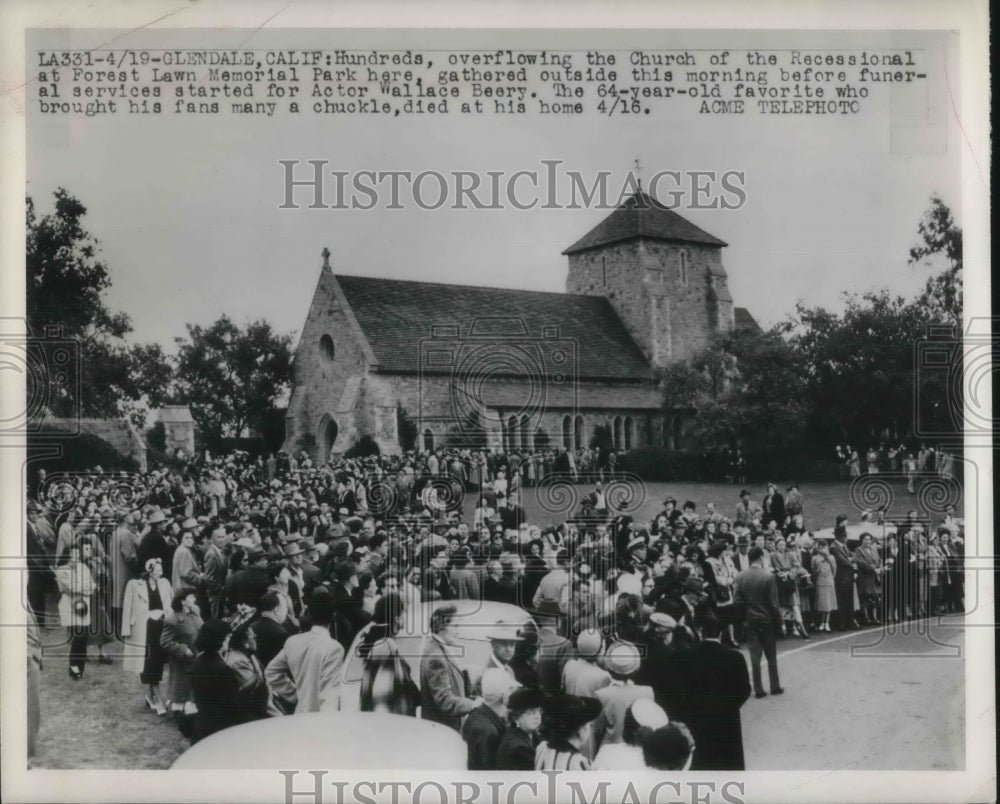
<point>327,437</point>
<point>428,440</point>
<point>618,435</point>
<point>629,433</point>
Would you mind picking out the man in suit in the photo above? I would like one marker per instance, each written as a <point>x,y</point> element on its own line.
<point>719,684</point>
<point>844,580</point>
<point>308,669</point>
<point>269,629</point>
<point>444,686</point>
<point>756,593</point>
<point>492,588</point>
<point>503,640</point>
<point>216,568</point>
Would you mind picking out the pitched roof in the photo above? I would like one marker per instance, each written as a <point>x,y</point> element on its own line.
<point>643,216</point>
<point>482,332</point>
<point>744,320</point>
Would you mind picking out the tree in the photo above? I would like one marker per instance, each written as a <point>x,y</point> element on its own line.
<point>232,378</point>
<point>65,284</point>
<point>940,247</point>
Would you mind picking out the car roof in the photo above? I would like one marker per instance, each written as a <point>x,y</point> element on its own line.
<point>333,740</point>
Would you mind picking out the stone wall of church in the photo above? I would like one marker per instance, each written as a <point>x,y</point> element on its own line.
<point>320,380</point>
<point>670,314</point>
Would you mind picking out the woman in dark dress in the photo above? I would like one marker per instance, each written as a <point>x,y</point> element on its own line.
<point>216,685</point>
<point>520,738</point>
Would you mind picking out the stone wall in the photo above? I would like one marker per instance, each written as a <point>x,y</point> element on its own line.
<point>669,312</point>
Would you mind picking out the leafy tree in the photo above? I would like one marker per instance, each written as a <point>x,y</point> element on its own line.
<point>940,247</point>
<point>65,284</point>
<point>232,378</point>
<point>602,439</point>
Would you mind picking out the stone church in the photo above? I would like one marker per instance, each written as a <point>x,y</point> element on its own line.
<point>510,368</point>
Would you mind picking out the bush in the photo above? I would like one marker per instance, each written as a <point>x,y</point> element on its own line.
<point>79,453</point>
<point>362,448</point>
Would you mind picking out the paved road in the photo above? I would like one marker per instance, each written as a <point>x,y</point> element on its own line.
<point>865,700</point>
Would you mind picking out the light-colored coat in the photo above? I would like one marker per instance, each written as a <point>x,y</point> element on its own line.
<point>135,615</point>
<point>75,582</point>
<point>308,670</point>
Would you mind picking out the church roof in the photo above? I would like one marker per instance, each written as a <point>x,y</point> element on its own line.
<point>642,216</point>
<point>743,319</point>
<point>412,327</point>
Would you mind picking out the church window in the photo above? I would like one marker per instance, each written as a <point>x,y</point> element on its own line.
<point>629,433</point>
<point>567,432</point>
<point>684,268</point>
<point>578,432</point>
<point>617,433</point>
<point>326,350</point>
<point>604,272</point>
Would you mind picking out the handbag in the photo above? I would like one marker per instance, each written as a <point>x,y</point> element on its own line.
<point>81,606</point>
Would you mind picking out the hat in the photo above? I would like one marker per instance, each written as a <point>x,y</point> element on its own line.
<point>622,658</point>
<point>156,517</point>
<point>589,642</point>
<point>694,584</point>
<point>637,542</point>
<point>629,584</point>
<point>496,683</point>
<point>572,711</point>
<point>524,698</point>
<point>343,512</point>
<point>211,636</point>
<point>151,561</point>
<point>255,554</point>
<point>190,523</point>
<point>505,632</point>
<point>649,714</point>
<point>658,618</point>
<point>294,549</point>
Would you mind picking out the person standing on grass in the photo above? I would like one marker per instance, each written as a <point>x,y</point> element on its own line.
<point>144,609</point>
<point>756,592</point>
<point>180,630</point>
<point>77,587</point>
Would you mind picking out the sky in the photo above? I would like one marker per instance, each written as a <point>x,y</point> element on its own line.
<point>186,209</point>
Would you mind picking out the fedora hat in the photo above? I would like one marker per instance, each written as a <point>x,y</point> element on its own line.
<point>190,523</point>
<point>156,517</point>
<point>293,549</point>
<point>505,632</point>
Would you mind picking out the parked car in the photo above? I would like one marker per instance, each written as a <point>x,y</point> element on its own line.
<point>329,740</point>
<point>474,619</point>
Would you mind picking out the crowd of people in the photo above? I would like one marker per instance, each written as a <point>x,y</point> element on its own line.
<point>900,460</point>
<point>245,583</point>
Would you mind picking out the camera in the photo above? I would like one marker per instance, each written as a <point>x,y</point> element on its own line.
<point>490,383</point>
<point>51,369</point>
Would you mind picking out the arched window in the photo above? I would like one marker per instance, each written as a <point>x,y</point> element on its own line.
<point>567,432</point>
<point>578,432</point>
<point>618,432</point>
<point>629,433</point>
<point>525,432</point>
<point>326,350</point>
<point>684,268</point>
<point>511,433</point>
<point>428,440</point>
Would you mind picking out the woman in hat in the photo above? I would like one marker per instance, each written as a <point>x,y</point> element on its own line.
<point>824,570</point>
<point>180,629</point>
<point>520,739</point>
<point>568,723</point>
<point>215,685</point>
<point>787,569</point>
<point>641,719</point>
<point>77,587</point>
<point>145,603</point>
<point>387,682</point>
<point>240,653</point>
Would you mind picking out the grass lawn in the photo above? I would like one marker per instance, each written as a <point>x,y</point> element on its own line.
<point>102,721</point>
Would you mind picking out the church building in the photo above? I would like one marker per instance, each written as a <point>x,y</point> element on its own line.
<point>514,369</point>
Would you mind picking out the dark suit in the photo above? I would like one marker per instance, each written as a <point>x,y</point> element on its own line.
<point>756,592</point>
<point>719,685</point>
<point>663,669</point>
<point>482,732</point>
<point>271,638</point>
<point>216,688</point>
<point>517,750</point>
<point>843,583</point>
